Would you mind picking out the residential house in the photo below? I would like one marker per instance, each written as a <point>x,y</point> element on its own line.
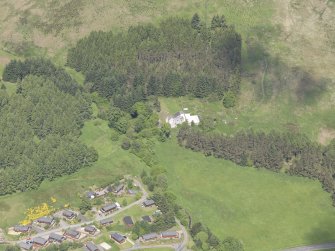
<point>69,214</point>
<point>150,237</point>
<point>71,233</point>
<point>128,221</point>
<point>170,235</point>
<point>91,246</point>
<point>22,228</point>
<point>40,242</point>
<point>90,229</point>
<point>118,189</point>
<point>26,245</point>
<point>47,220</point>
<point>146,218</point>
<point>108,208</point>
<point>91,195</point>
<point>118,238</point>
<point>106,222</point>
<point>56,238</point>
<point>148,203</point>
<point>181,117</point>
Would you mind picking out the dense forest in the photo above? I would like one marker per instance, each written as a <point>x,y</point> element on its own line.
<point>178,57</point>
<point>293,153</point>
<point>40,125</point>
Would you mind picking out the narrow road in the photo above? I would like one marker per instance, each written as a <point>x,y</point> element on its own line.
<point>138,202</point>
<point>324,246</point>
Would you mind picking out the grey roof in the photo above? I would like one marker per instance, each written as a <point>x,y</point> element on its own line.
<point>46,220</point>
<point>169,234</point>
<point>150,236</point>
<point>91,246</point>
<point>25,245</point>
<point>128,220</point>
<point>146,218</point>
<point>90,194</point>
<point>176,114</point>
<point>56,237</point>
<point>72,233</point>
<point>106,221</point>
<point>21,228</point>
<point>68,213</point>
<point>118,188</point>
<point>118,237</point>
<point>108,208</point>
<point>40,241</point>
<point>148,203</point>
<point>90,229</point>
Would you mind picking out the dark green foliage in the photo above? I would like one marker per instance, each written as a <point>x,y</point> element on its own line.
<point>65,246</point>
<point>126,144</point>
<point>270,151</point>
<point>218,22</point>
<point>229,99</point>
<point>40,126</point>
<point>171,59</point>
<point>232,244</point>
<point>18,70</point>
<point>195,23</point>
<point>85,205</point>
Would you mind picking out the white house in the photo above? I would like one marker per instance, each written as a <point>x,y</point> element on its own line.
<point>181,117</point>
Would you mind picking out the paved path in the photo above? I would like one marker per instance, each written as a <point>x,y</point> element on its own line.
<point>99,218</point>
<point>324,246</point>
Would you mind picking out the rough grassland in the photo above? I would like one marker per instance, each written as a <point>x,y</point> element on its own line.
<point>268,211</point>
<point>112,161</point>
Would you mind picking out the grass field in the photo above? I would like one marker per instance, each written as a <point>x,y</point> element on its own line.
<point>266,210</point>
<point>113,161</point>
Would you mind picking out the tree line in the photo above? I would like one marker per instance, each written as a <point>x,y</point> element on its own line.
<point>17,70</point>
<point>272,151</point>
<point>40,125</point>
<point>175,58</point>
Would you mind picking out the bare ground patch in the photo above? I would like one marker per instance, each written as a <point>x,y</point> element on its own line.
<point>326,135</point>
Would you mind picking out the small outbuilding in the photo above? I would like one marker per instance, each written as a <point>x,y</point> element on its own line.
<point>118,238</point>
<point>108,208</point>
<point>53,237</point>
<point>40,242</point>
<point>91,246</point>
<point>47,220</point>
<point>69,214</point>
<point>128,221</point>
<point>90,229</point>
<point>22,228</point>
<point>148,203</point>
<point>26,245</point>
<point>146,218</point>
<point>106,222</point>
<point>71,233</point>
<point>150,237</point>
<point>170,235</point>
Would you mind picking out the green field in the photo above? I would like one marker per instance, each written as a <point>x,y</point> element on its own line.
<point>113,161</point>
<point>266,210</point>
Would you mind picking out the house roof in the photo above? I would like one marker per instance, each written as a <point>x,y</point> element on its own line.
<point>56,237</point>
<point>150,236</point>
<point>25,245</point>
<point>128,220</point>
<point>46,219</point>
<point>90,229</point>
<point>21,228</point>
<point>148,203</point>
<point>91,246</point>
<point>72,232</point>
<point>177,114</point>
<point>40,241</point>
<point>68,213</point>
<point>146,218</point>
<point>110,207</point>
<point>90,194</point>
<point>106,221</point>
<point>169,234</point>
<point>118,188</point>
<point>118,237</point>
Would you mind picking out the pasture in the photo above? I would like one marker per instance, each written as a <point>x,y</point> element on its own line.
<point>113,161</point>
<point>266,210</point>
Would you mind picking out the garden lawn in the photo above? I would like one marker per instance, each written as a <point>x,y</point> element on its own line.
<point>266,210</point>
<point>113,161</point>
